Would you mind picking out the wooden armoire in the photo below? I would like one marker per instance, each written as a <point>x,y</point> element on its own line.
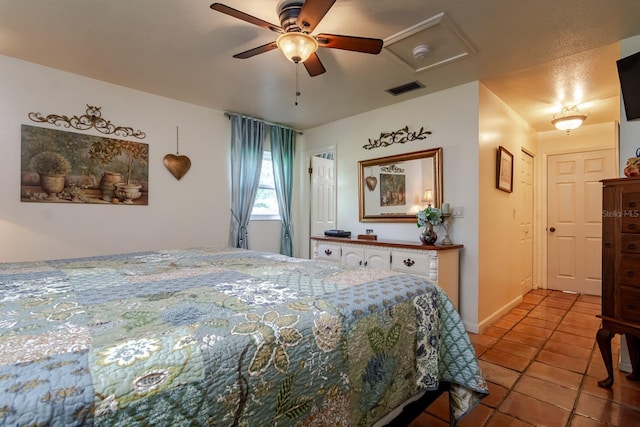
<point>620,271</point>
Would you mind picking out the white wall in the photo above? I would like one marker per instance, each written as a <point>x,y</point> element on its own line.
<point>501,254</point>
<point>629,130</point>
<point>191,212</point>
<point>452,116</point>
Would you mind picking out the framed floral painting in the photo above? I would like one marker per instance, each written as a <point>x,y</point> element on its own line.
<point>68,167</point>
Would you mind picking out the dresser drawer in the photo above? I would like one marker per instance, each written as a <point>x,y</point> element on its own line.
<point>630,224</point>
<point>630,213</point>
<point>328,251</point>
<point>629,273</point>
<point>412,263</point>
<point>630,304</point>
<point>630,243</point>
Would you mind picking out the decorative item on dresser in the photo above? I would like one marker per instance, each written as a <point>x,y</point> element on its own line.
<point>446,222</point>
<point>427,218</point>
<point>440,264</point>
<point>632,168</point>
<point>620,272</point>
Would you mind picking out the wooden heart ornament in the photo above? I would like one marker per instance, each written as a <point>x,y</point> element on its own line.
<point>178,165</point>
<point>371,182</point>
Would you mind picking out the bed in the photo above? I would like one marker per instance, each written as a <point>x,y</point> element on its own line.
<point>224,337</point>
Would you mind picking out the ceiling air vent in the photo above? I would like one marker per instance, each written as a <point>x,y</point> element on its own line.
<point>407,87</point>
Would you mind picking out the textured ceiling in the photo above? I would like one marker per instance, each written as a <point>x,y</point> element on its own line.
<point>532,54</point>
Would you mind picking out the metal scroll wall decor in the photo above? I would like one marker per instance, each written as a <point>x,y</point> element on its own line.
<point>92,119</point>
<point>392,169</point>
<point>397,137</point>
<point>177,164</point>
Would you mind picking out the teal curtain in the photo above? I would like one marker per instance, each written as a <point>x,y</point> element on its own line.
<point>247,140</point>
<point>283,153</point>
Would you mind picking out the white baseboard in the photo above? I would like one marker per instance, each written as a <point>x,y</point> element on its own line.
<point>484,324</point>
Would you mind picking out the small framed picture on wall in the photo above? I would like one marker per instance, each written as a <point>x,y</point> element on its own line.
<point>504,170</point>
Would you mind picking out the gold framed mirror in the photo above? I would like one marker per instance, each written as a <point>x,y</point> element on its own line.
<point>395,188</point>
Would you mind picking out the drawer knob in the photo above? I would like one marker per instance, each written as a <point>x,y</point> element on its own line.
<point>631,246</point>
<point>409,262</point>
<point>607,245</point>
<point>632,226</point>
<point>328,252</point>
<point>631,273</point>
<point>632,204</point>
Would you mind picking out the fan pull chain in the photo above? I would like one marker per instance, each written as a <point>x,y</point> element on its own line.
<point>297,82</point>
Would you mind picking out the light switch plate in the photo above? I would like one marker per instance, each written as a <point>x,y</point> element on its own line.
<point>458,211</point>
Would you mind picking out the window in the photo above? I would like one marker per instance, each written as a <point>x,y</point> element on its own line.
<point>266,204</point>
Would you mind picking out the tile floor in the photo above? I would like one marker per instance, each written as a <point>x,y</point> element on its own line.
<point>542,365</point>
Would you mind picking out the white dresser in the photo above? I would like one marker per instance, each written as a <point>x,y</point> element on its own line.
<point>439,264</point>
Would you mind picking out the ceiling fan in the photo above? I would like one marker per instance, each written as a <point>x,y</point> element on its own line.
<point>298,18</point>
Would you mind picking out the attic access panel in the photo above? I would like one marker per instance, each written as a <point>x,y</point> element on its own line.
<point>447,44</point>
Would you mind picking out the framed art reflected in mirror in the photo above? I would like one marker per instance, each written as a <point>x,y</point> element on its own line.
<point>395,188</point>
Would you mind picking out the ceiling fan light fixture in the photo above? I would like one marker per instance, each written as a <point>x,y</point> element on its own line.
<point>569,118</point>
<point>297,46</point>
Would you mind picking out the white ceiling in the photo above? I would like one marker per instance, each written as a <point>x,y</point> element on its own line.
<point>535,55</point>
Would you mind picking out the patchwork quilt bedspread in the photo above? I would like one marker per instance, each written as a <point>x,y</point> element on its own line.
<point>223,337</point>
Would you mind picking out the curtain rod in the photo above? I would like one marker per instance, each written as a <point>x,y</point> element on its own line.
<point>226,113</point>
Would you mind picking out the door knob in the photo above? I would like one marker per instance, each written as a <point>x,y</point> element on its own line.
<point>552,229</point>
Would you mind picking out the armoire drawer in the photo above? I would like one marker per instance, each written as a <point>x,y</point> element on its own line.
<point>630,212</point>
<point>630,224</point>
<point>629,272</point>
<point>630,243</point>
<point>630,304</point>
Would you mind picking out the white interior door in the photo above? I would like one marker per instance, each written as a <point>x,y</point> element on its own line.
<point>526,222</point>
<point>574,219</point>
<point>322,195</point>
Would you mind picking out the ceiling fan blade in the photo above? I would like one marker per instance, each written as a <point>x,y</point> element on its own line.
<point>256,50</point>
<point>314,66</point>
<point>312,13</point>
<point>246,17</point>
<point>356,44</point>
